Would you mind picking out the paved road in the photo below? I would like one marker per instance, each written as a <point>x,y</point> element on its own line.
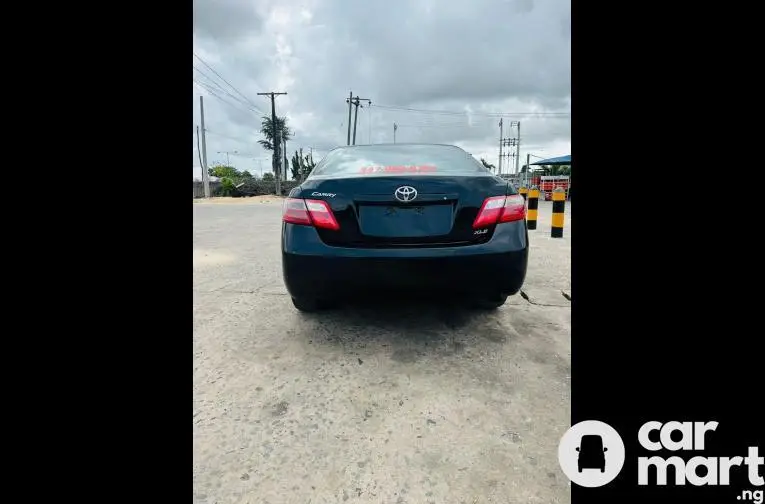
<point>393,404</point>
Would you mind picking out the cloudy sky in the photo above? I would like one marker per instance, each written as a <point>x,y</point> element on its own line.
<point>444,71</point>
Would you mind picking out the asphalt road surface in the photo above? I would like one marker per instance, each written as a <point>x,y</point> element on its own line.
<point>395,403</point>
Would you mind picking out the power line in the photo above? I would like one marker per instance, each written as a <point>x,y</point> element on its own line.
<point>214,94</point>
<point>237,104</point>
<point>482,114</point>
<point>229,84</point>
<point>210,79</point>
<point>219,88</point>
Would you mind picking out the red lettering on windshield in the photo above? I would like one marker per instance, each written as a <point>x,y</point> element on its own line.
<point>398,169</point>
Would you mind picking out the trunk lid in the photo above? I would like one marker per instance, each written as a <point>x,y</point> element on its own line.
<point>383,211</point>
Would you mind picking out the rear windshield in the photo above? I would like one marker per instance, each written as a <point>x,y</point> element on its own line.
<point>382,160</point>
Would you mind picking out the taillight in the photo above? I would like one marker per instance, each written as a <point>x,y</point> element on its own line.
<point>321,214</point>
<point>500,209</point>
<point>309,212</point>
<point>515,209</point>
<point>294,211</point>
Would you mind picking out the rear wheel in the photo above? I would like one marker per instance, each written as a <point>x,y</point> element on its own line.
<point>308,304</point>
<point>489,302</point>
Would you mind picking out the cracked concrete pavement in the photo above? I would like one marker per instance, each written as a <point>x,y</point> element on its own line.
<point>400,404</point>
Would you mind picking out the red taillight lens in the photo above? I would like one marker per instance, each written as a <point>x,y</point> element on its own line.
<point>490,212</point>
<point>321,214</point>
<point>309,212</point>
<point>500,209</point>
<point>294,211</point>
<point>515,209</point>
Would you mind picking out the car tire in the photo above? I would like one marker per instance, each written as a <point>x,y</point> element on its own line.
<point>490,302</point>
<point>307,305</point>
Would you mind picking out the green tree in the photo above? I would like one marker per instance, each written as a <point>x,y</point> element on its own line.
<point>227,187</point>
<point>296,165</point>
<point>301,166</point>
<point>267,130</point>
<point>268,177</point>
<point>229,177</point>
<point>272,137</point>
<point>308,166</point>
<point>223,171</point>
<point>490,167</point>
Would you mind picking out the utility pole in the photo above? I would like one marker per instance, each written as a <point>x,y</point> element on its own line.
<point>369,104</point>
<point>499,164</point>
<point>355,118</point>
<point>518,150</point>
<point>285,166</point>
<point>528,167</point>
<point>395,127</point>
<point>275,140</point>
<point>350,103</point>
<point>205,175</point>
<point>513,144</point>
<point>357,103</point>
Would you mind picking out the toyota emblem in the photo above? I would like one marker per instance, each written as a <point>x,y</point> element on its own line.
<point>405,193</point>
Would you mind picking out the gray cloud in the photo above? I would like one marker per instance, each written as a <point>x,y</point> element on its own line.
<point>225,20</point>
<point>487,56</point>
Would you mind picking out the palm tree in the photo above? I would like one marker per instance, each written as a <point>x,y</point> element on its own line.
<point>267,130</point>
<point>273,142</point>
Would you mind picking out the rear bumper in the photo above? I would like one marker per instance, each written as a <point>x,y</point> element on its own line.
<point>313,269</point>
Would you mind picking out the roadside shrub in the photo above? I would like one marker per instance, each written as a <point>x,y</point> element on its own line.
<point>261,187</point>
<point>227,187</point>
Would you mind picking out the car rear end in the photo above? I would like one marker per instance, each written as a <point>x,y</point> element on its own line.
<point>406,217</point>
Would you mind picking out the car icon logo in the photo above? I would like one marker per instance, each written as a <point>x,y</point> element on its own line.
<point>405,193</point>
<point>591,453</point>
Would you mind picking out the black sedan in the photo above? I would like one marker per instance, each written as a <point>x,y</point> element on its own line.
<point>403,217</point>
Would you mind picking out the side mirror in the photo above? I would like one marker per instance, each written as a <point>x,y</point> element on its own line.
<point>605,449</point>
<point>577,448</point>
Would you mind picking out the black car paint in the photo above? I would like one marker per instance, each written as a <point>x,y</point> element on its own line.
<point>313,269</point>
<point>464,193</point>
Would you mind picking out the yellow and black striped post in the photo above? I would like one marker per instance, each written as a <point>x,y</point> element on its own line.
<point>533,208</point>
<point>523,192</point>
<point>558,208</point>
